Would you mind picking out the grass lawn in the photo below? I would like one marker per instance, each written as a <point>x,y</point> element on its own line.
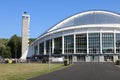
<point>24,71</point>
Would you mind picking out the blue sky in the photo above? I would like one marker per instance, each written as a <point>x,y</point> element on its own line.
<point>45,13</point>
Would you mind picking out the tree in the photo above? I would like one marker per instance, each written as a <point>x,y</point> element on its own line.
<point>3,43</point>
<point>19,46</point>
<point>31,40</point>
<point>15,46</point>
<point>3,48</point>
<point>6,52</point>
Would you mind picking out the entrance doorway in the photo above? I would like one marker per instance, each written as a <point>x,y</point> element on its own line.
<point>80,58</point>
<point>94,58</point>
<point>108,58</point>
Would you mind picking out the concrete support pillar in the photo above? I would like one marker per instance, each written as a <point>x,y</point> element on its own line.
<point>74,58</point>
<point>101,41</point>
<point>53,46</point>
<point>33,50</point>
<point>44,47</point>
<point>114,42</point>
<point>38,49</point>
<point>74,43</point>
<point>115,57</point>
<point>101,58</point>
<point>62,44</point>
<point>87,59</point>
<point>87,44</point>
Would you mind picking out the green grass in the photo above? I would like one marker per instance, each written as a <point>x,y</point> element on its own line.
<point>25,71</point>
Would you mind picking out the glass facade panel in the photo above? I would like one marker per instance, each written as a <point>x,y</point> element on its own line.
<point>35,50</point>
<point>107,43</point>
<point>94,43</point>
<point>48,46</point>
<point>58,45</point>
<point>81,43</point>
<point>69,44</point>
<point>118,57</point>
<point>117,43</point>
<point>41,48</point>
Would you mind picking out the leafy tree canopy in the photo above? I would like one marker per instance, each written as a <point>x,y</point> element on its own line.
<point>12,47</point>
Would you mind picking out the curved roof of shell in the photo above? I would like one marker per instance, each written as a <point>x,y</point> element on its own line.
<point>88,18</point>
<point>93,17</point>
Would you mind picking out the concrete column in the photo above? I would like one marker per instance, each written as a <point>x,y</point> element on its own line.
<point>101,58</point>
<point>74,58</point>
<point>87,59</point>
<point>101,41</point>
<point>44,47</point>
<point>38,48</point>
<point>115,57</point>
<point>74,44</point>
<point>62,44</point>
<point>87,44</point>
<point>33,50</point>
<point>53,46</point>
<point>114,42</point>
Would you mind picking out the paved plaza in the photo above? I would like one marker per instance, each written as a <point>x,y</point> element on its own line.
<point>84,71</point>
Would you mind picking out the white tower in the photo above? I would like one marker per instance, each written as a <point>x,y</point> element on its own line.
<point>25,34</point>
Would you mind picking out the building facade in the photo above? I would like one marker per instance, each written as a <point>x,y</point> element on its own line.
<point>91,36</point>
